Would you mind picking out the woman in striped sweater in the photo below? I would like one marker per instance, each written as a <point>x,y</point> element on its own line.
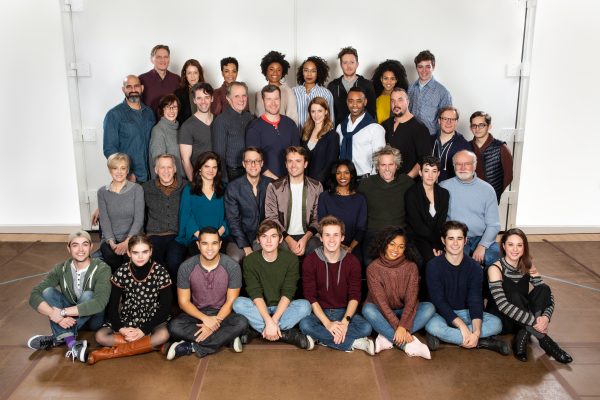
<point>522,311</point>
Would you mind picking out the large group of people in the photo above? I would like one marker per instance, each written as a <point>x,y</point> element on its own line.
<point>331,215</point>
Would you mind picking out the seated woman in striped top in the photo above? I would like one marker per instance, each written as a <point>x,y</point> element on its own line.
<point>522,311</point>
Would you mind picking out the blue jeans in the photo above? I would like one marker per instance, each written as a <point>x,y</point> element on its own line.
<point>492,253</point>
<point>297,309</point>
<point>358,328</point>
<point>55,298</point>
<point>437,326</point>
<point>381,325</point>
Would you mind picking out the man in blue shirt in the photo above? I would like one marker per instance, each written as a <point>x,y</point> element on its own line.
<point>426,94</point>
<point>127,129</point>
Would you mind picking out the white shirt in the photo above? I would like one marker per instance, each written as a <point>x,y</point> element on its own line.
<point>364,143</point>
<point>295,227</point>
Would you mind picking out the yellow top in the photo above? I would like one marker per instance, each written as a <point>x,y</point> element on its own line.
<point>383,108</point>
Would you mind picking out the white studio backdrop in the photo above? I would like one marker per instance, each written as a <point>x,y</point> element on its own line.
<point>113,38</point>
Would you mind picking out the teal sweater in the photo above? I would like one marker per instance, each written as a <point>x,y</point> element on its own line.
<point>97,280</point>
<point>271,280</point>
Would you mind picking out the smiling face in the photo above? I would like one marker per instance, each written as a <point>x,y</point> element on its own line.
<point>454,242</point>
<point>343,176</point>
<point>165,169</point>
<point>295,164</point>
<point>387,167</point>
<point>192,75</point>
<point>79,249</point>
<point>269,240</point>
<point>160,60</point>
<point>253,163</point>
<point>318,113</point>
<point>464,166</point>
<point>274,73</point>
<point>349,65</point>
<point>238,98</point>
<point>395,248</point>
<point>272,101</point>
<point>119,171</point>
<point>425,70</point>
<point>170,111</point>
<point>479,127</point>
<point>132,89</point>
<point>229,72</point>
<point>309,72</point>
<point>209,169</point>
<point>332,238</point>
<point>202,100</point>
<point>388,80</point>
<point>209,245</point>
<point>513,249</point>
<point>356,102</point>
<point>429,174</point>
<point>140,254</point>
<point>448,120</point>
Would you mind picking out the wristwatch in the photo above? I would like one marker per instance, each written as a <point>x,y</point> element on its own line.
<point>63,313</point>
<point>348,318</point>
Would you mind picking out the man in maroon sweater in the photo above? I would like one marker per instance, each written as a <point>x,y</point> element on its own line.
<point>331,280</point>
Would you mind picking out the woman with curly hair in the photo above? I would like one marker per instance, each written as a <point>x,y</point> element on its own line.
<point>387,76</point>
<point>275,67</point>
<point>311,77</point>
<point>202,202</point>
<point>392,307</point>
<point>320,139</point>
<point>191,73</point>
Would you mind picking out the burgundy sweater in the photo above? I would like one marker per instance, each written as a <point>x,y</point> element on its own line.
<point>332,285</point>
<point>394,285</point>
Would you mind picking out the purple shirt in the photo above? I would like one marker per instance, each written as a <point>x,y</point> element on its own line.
<point>155,87</point>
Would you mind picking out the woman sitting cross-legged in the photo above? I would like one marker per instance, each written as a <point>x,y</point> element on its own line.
<point>392,307</point>
<point>522,311</point>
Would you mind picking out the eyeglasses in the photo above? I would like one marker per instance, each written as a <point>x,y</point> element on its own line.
<point>478,126</point>
<point>253,162</point>
<point>447,119</point>
<point>463,164</point>
<point>171,108</point>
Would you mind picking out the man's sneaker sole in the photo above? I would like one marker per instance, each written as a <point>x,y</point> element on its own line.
<point>171,351</point>
<point>310,343</point>
<point>237,345</point>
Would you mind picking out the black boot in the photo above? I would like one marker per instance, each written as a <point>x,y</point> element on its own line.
<point>433,343</point>
<point>519,344</point>
<point>249,334</point>
<point>491,343</point>
<point>297,338</point>
<point>553,350</point>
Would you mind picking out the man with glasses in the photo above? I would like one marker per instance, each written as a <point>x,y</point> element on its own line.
<point>495,161</point>
<point>427,95</point>
<point>473,202</point>
<point>448,142</point>
<point>245,205</point>
<point>229,131</point>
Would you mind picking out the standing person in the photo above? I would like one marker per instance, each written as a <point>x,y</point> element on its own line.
<point>388,75</point>
<point>360,136</point>
<point>127,129</point>
<point>163,139</point>
<point>272,133</point>
<point>162,196</point>
<point>121,205</point>
<point>454,281</point>
<point>229,131</point>
<point>392,306</point>
<point>229,70</point>
<point>245,205</point>
<point>195,135</point>
<point>346,204</point>
<point>271,277</point>
<point>406,133</point>
<point>321,140</point>
<point>311,76</point>
<point>275,68</point>
<point>207,286</point>
<point>159,81</point>
<point>331,280</point>
<point>495,164</point>
<point>139,306</point>
<point>73,295</point>
<point>291,202</point>
<point>523,312</point>
<point>340,87</point>
<point>191,73</point>
<point>448,142</point>
<point>202,202</point>
<point>427,96</point>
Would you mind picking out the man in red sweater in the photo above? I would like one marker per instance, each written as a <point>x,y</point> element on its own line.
<point>331,280</point>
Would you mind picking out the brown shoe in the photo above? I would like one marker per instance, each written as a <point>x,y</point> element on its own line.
<point>140,346</point>
<point>118,339</point>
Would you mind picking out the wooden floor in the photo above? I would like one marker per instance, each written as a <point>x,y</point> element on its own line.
<point>276,371</point>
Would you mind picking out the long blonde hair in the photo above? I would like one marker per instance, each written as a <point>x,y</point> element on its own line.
<point>310,124</point>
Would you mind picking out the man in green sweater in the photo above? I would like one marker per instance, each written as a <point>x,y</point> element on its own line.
<point>74,294</point>
<point>271,275</point>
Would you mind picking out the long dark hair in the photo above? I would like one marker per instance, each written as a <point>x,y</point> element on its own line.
<point>396,68</point>
<point>332,182</point>
<point>322,70</point>
<point>196,183</point>
<point>525,262</point>
<point>184,82</point>
<point>310,124</point>
<point>385,237</point>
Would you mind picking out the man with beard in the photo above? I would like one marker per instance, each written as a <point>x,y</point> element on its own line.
<point>406,133</point>
<point>127,129</point>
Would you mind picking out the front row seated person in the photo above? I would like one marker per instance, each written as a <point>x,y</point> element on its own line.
<point>392,307</point>
<point>454,281</point>
<point>73,296</point>
<point>331,278</point>
<point>523,312</point>
<point>291,203</point>
<point>138,311</point>
<point>207,286</point>
<point>271,277</point>
<point>245,205</point>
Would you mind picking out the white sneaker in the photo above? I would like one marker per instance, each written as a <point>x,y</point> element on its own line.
<point>382,343</point>
<point>237,345</point>
<point>311,343</point>
<point>417,349</point>
<point>364,344</point>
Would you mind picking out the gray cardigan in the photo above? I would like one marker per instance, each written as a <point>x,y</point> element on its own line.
<point>121,214</point>
<point>163,211</point>
<point>164,140</point>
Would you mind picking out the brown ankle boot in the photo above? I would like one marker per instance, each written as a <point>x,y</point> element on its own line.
<point>140,346</point>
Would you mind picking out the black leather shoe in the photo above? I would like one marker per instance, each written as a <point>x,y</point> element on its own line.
<point>298,339</point>
<point>432,342</point>
<point>519,345</point>
<point>493,344</point>
<point>249,334</point>
<point>553,350</point>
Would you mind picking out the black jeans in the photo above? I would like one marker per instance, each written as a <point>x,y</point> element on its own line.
<point>169,253</point>
<point>535,301</point>
<point>111,258</point>
<point>184,327</point>
<point>236,172</point>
